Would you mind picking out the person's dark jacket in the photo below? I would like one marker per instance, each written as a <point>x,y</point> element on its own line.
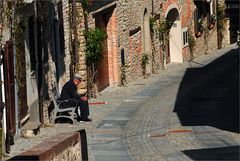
<point>69,91</point>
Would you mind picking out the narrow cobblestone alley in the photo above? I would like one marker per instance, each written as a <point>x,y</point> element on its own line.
<point>187,112</point>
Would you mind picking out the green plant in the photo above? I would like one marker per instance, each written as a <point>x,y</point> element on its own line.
<point>123,74</point>
<point>94,46</point>
<point>144,63</point>
<point>152,23</point>
<point>164,29</point>
<point>20,63</point>
<point>145,60</point>
<point>212,19</point>
<point>163,35</point>
<point>220,17</point>
<point>191,42</point>
<point>94,42</point>
<point>201,25</point>
<point>85,4</point>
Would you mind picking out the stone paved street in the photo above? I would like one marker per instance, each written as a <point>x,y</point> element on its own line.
<point>187,112</point>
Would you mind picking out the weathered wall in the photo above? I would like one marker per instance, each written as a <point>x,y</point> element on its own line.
<point>67,58</point>
<point>130,36</point>
<point>130,18</point>
<point>81,67</point>
<point>64,146</point>
<point>70,153</point>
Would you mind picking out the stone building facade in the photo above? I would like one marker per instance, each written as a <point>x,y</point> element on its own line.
<point>128,28</point>
<point>129,37</point>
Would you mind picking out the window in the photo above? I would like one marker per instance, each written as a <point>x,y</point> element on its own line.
<point>185,36</point>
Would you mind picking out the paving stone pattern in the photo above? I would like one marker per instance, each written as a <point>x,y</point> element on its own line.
<point>140,122</point>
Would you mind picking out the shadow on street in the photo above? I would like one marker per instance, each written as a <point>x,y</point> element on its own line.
<point>210,95</point>
<point>224,153</point>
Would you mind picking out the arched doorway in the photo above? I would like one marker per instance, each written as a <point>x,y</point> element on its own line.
<point>146,37</point>
<point>175,41</point>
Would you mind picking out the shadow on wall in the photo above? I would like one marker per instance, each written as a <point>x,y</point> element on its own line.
<point>50,40</point>
<point>224,153</point>
<point>209,96</point>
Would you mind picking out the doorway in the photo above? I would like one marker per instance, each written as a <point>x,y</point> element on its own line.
<point>175,41</point>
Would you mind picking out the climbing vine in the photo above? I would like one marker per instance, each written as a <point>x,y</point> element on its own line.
<point>163,35</point>
<point>144,63</point>
<point>123,77</point>
<point>20,63</point>
<point>191,43</point>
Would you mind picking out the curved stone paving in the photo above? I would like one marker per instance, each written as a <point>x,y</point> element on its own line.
<point>139,122</point>
<point>145,127</point>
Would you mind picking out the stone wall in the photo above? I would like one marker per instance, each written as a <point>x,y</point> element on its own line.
<point>81,67</point>
<point>48,66</point>
<point>67,58</point>
<point>64,146</point>
<point>130,33</point>
<point>135,56</point>
<point>130,22</point>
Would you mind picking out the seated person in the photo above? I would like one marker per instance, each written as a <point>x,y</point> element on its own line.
<point>69,92</point>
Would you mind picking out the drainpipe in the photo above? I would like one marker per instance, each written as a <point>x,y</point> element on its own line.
<point>17,124</point>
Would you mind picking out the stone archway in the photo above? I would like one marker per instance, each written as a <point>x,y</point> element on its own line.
<point>175,40</point>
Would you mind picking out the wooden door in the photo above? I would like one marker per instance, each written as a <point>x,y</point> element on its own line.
<point>9,94</point>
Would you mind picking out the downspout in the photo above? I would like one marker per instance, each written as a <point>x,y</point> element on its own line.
<point>17,135</point>
<point>17,124</point>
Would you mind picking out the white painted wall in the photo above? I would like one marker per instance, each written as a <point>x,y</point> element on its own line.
<point>176,42</point>
<point>31,81</point>
<point>4,129</point>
